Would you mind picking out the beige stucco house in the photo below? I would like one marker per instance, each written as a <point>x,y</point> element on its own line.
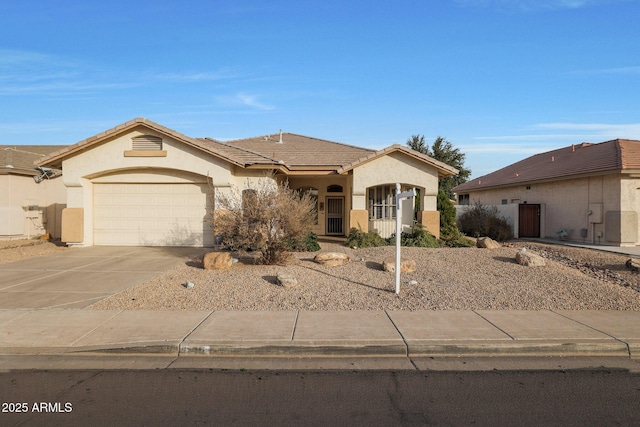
<point>586,192</point>
<point>29,207</point>
<point>141,183</point>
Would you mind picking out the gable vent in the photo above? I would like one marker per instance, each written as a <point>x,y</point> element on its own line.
<point>146,143</point>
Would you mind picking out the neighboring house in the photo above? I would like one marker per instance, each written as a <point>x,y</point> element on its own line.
<point>29,208</point>
<point>141,183</point>
<point>586,192</point>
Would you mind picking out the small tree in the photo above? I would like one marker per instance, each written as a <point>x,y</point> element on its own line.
<point>444,151</point>
<point>266,216</point>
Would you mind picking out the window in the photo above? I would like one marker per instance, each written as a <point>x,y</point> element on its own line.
<point>504,201</point>
<point>382,202</point>
<point>146,143</point>
<point>463,199</point>
<point>334,188</point>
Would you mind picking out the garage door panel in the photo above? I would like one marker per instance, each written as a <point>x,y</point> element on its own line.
<point>152,215</point>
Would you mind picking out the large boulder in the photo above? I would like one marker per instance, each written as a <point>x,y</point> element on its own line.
<point>487,243</point>
<point>286,280</point>
<point>406,265</point>
<point>217,260</point>
<point>332,259</point>
<point>529,259</point>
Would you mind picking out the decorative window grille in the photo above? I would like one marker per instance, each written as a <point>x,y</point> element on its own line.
<point>382,202</point>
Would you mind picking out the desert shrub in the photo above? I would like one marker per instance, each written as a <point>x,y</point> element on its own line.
<point>308,244</point>
<point>361,239</point>
<point>480,220</point>
<point>450,235</point>
<point>266,217</point>
<point>418,236</point>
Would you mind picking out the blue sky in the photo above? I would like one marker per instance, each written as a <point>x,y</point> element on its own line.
<point>500,79</point>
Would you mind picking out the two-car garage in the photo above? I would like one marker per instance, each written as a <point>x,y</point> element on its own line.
<point>152,214</point>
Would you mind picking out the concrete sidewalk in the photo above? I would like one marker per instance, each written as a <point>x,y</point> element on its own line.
<point>321,334</point>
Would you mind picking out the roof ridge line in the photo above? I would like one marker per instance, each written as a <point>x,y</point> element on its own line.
<point>243,149</point>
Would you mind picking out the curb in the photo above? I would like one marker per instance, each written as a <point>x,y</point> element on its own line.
<point>345,349</point>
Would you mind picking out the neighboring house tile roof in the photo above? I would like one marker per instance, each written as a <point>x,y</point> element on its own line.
<point>20,159</point>
<point>568,162</point>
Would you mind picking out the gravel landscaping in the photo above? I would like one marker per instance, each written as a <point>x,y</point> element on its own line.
<point>16,250</point>
<point>447,279</point>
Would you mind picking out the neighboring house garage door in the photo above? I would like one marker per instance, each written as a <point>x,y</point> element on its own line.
<point>151,215</point>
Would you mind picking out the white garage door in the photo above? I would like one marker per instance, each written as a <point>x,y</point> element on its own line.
<point>151,215</point>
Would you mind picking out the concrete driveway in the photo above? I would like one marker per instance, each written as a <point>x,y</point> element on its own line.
<point>79,277</point>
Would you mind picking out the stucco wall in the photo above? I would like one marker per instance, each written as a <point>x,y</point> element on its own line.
<point>568,203</point>
<point>397,167</point>
<point>28,209</point>
<point>107,161</point>
<point>321,183</point>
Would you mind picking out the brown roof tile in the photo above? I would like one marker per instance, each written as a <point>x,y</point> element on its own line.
<point>301,151</point>
<point>444,170</point>
<point>564,163</point>
<point>287,150</point>
<point>20,159</point>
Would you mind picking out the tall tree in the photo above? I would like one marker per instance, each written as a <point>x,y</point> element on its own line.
<point>444,151</point>
<point>417,142</point>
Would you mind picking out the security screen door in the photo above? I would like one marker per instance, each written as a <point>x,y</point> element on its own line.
<point>335,216</point>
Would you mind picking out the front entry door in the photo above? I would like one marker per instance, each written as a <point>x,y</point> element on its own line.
<point>335,216</point>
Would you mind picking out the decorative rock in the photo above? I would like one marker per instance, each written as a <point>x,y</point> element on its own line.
<point>406,265</point>
<point>188,285</point>
<point>487,243</point>
<point>529,259</point>
<point>332,259</point>
<point>633,264</point>
<point>217,260</point>
<point>286,280</point>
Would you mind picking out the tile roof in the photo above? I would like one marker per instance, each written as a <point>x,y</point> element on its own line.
<point>287,151</point>
<point>444,170</point>
<point>20,159</point>
<point>564,163</point>
<point>298,151</point>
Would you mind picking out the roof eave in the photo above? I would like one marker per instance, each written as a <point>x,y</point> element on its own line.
<point>482,187</point>
<point>443,169</point>
<point>55,159</point>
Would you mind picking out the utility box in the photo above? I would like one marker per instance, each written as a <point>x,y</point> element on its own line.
<point>595,213</point>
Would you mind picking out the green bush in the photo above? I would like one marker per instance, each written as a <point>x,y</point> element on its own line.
<point>361,239</point>
<point>308,244</point>
<point>418,236</point>
<point>450,235</point>
<point>480,220</point>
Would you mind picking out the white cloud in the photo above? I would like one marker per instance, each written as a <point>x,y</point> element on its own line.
<point>244,100</point>
<point>604,71</point>
<point>533,5</point>
<point>597,130</point>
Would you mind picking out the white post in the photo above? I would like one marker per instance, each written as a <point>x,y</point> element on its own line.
<point>398,233</point>
<point>399,197</point>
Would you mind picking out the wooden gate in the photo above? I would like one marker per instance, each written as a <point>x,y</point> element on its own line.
<point>528,220</point>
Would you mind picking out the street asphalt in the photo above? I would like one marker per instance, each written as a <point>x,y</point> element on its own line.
<point>43,313</point>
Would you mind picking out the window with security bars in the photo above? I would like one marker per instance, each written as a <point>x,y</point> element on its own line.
<point>382,202</point>
<point>146,143</point>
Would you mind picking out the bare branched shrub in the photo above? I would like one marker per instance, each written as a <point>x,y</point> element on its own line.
<point>265,217</point>
<point>481,220</point>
